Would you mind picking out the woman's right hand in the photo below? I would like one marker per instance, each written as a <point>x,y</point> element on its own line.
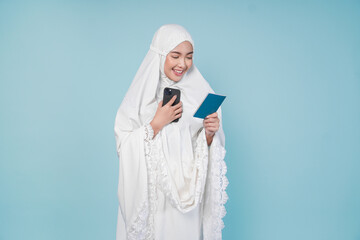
<point>166,114</point>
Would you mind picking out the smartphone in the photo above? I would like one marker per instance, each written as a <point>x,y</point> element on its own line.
<point>168,94</point>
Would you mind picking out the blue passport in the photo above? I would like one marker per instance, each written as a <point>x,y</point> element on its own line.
<point>210,105</point>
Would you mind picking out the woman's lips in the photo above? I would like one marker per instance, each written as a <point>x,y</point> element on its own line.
<point>178,73</point>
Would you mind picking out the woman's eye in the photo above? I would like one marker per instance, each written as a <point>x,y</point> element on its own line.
<point>189,58</point>
<point>175,57</point>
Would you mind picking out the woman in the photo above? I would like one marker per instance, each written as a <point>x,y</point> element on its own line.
<point>172,174</point>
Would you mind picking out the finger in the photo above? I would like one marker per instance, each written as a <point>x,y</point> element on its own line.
<point>178,105</point>
<point>210,120</point>
<point>215,125</point>
<point>172,100</point>
<point>178,110</point>
<point>211,125</point>
<point>206,125</point>
<point>213,120</point>
<point>211,128</point>
<point>177,115</point>
<point>211,115</point>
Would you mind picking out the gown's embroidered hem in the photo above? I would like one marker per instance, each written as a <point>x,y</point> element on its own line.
<point>217,197</point>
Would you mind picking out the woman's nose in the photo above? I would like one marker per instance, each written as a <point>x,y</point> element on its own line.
<point>181,62</point>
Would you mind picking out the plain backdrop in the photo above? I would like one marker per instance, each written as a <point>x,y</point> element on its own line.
<point>291,74</point>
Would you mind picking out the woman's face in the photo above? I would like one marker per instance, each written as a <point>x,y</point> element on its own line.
<point>178,61</point>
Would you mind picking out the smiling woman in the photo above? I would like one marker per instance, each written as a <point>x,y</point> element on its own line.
<point>172,174</point>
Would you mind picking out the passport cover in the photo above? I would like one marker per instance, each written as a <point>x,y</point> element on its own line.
<point>210,105</point>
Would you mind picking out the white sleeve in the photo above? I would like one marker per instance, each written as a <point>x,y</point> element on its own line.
<point>133,180</point>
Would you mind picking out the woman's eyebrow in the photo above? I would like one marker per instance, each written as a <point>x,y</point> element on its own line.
<point>180,52</point>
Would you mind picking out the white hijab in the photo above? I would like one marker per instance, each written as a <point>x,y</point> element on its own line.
<point>178,141</point>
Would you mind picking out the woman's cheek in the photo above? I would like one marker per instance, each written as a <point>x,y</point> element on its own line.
<point>189,63</point>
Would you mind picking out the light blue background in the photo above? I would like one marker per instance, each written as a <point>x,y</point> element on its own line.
<point>291,73</point>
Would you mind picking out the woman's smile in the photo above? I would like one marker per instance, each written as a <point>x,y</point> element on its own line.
<point>178,72</point>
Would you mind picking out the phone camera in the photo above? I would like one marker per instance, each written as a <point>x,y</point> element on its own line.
<point>167,91</point>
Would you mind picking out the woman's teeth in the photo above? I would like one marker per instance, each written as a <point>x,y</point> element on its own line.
<point>178,72</point>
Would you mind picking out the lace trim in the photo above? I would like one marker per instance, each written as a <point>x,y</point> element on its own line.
<point>149,133</point>
<point>165,183</point>
<point>218,196</point>
<point>143,226</point>
<point>139,229</point>
<point>151,165</point>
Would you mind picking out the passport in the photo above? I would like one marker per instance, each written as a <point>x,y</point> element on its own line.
<point>210,105</point>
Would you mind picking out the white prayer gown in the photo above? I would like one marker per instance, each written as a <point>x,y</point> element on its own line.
<point>172,186</point>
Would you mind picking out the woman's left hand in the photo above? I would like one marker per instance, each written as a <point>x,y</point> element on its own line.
<point>211,124</point>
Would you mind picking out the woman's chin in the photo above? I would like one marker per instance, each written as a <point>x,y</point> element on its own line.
<point>175,79</point>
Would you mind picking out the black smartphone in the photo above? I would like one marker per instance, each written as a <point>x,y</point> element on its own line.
<point>168,94</point>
